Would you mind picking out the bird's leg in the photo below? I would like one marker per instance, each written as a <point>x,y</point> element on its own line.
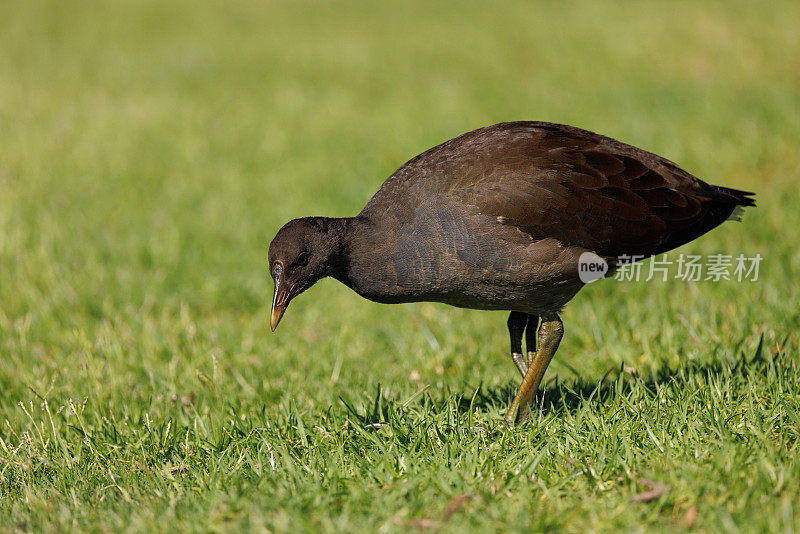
<point>516,327</point>
<point>550,333</point>
<point>530,337</point>
<point>530,344</point>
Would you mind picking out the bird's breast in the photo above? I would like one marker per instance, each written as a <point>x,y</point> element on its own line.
<point>461,258</point>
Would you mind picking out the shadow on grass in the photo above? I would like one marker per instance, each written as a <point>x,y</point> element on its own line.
<point>571,395</point>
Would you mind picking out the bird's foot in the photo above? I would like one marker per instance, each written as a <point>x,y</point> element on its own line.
<point>518,416</point>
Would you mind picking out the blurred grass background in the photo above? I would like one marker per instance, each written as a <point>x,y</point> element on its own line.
<point>149,151</point>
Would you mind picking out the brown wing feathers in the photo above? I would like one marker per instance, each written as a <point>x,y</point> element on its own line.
<point>588,190</point>
<point>556,181</point>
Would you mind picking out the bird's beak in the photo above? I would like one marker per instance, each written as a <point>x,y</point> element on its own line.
<point>279,303</point>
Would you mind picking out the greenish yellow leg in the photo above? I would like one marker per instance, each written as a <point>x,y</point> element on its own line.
<point>550,333</point>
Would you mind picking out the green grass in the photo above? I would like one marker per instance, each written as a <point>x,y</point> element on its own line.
<point>150,150</point>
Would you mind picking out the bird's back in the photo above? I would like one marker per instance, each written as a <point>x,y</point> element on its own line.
<point>560,182</point>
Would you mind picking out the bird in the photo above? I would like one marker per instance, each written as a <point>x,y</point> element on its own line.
<point>498,219</point>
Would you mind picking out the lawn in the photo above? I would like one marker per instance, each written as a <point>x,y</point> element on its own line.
<point>149,151</point>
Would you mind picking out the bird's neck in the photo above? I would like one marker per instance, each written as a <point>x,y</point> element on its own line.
<point>337,234</point>
<point>360,256</point>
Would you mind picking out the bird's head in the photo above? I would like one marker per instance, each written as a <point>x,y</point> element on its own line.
<point>304,251</point>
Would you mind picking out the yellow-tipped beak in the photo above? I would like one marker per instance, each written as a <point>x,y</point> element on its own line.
<point>279,303</point>
<point>275,316</point>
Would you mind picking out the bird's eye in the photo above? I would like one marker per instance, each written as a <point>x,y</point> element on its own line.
<point>277,270</point>
<point>302,260</point>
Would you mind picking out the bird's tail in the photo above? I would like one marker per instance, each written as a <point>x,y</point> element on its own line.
<point>738,199</point>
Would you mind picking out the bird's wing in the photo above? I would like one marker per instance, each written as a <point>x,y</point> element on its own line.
<point>581,188</point>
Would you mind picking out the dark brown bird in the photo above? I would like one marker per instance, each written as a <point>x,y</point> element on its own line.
<point>496,219</point>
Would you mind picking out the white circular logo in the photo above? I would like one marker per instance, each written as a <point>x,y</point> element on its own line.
<point>591,267</point>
